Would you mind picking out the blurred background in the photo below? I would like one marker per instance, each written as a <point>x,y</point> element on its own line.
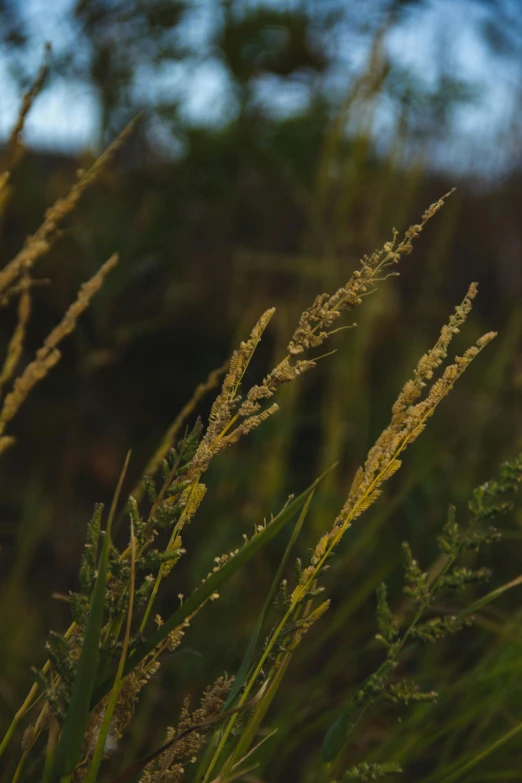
<point>280,142</point>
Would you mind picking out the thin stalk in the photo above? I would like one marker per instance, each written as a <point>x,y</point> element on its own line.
<point>177,528</point>
<point>118,680</point>
<point>29,746</point>
<point>50,754</point>
<point>21,764</point>
<point>28,702</point>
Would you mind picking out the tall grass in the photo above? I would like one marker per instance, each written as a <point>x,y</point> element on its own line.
<point>75,720</point>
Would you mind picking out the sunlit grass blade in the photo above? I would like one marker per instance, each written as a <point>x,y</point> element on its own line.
<point>238,771</point>
<point>265,700</point>
<point>213,583</point>
<point>260,710</point>
<point>77,718</point>
<point>250,651</point>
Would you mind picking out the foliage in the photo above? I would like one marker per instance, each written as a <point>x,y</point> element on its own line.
<point>98,673</point>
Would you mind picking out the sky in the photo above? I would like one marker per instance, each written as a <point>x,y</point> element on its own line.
<point>445,35</point>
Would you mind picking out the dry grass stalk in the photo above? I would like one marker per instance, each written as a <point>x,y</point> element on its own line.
<point>48,355</point>
<point>23,284</point>
<point>15,347</point>
<point>39,243</point>
<point>173,431</point>
<point>15,148</point>
<point>409,418</point>
<point>15,280</point>
<point>313,329</point>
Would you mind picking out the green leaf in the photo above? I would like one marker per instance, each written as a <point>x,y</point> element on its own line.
<point>487,599</point>
<point>77,718</point>
<point>103,733</point>
<point>462,769</point>
<point>336,735</point>
<point>249,654</point>
<point>364,697</point>
<point>213,583</point>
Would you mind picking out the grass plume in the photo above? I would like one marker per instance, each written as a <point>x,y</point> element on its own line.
<point>87,692</point>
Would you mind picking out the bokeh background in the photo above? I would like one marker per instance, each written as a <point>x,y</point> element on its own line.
<point>280,142</point>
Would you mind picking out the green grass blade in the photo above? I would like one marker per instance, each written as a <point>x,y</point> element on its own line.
<point>77,718</point>
<point>249,654</point>
<point>259,712</point>
<point>463,769</point>
<point>351,715</point>
<point>212,584</point>
<point>492,596</point>
<point>50,755</point>
<point>336,735</point>
<point>99,750</point>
